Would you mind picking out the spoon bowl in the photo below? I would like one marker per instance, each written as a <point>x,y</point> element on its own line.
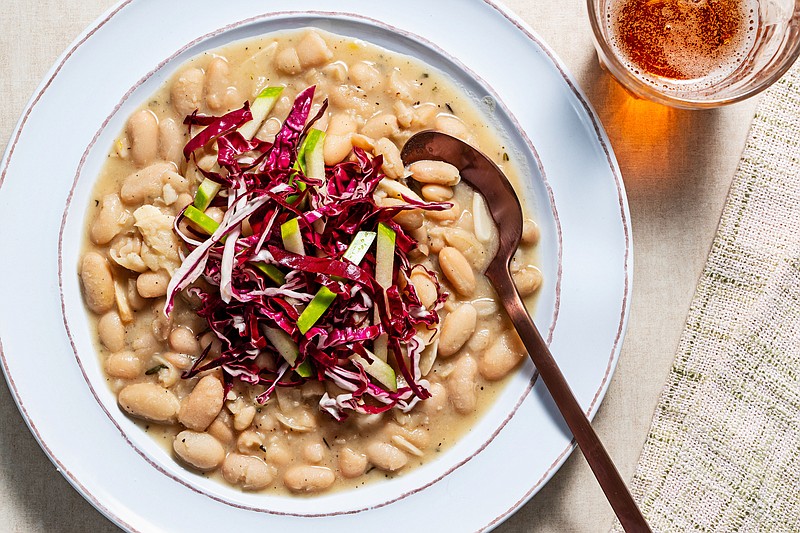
<point>486,178</point>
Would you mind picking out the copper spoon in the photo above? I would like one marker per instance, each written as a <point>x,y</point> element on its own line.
<point>480,172</point>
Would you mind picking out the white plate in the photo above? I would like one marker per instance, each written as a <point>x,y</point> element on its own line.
<point>61,142</point>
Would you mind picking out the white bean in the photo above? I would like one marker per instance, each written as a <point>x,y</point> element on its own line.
<point>313,51</point>
<point>167,375</point>
<point>342,124</point>
<point>409,219</point>
<point>314,452</point>
<point>178,360</point>
<point>249,441</point>
<point>288,62</point>
<point>220,95</point>
<point>124,365</point>
<point>446,215</point>
<point>203,404</point>
<point>424,287</point>
<point>221,431</point>
<point>436,239</point>
<point>126,251</point>
<point>424,114</point>
<point>457,328</point>
<point>348,97</point>
<point>365,76</point>
<point>306,478</point>
<point>134,298</point>
<point>465,242</point>
<point>462,384</point>
<point>244,418</point>
<point>399,87</point>
<point>336,71</point>
<point>186,93</point>
<point>437,402</point>
<point>362,141</point>
<point>148,184</point>
<point>336,148</point>
<point>452,126</point>
<point>436,193</point>
<point>386,457</point>
<point>110,221</point>
<point>480,340</point>
<point>270,129</point>
<point>457,270</point>
<point>216,214</point>
<point>251,473</point>
<point>351,463</point>
<point>182,340</point>
<point>143,341</point>
<point>381,125</point>
<point>397,190</point>
<point>435,172</point>
<point>419,437</point>
<point>404,114</point>
<point>278,454</point>
<point>392,162</point>
<point>200,450</point>
<point>423,249</point>
<point>150,402</point>
<point>528,280</point>
<point>171,141</point>
<point>143,135</point>
<point>111,331</point>
<point>153,284</point>
<point>530,232</point>
<point>98,283</point>
<point>501,358</point>
<point>216,345</point>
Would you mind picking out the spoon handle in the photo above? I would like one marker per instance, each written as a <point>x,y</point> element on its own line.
<point>599,461</point>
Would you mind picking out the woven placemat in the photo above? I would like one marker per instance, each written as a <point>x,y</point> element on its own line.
<point>723,452</point>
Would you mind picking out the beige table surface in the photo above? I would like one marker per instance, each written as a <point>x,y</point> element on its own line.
<point>677,168</point>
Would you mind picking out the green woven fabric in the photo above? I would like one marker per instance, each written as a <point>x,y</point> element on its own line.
<point>723,452</point>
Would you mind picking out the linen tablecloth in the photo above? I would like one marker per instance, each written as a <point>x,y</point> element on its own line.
<point>723,452</point>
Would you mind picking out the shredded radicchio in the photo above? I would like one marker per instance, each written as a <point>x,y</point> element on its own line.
<point>261,189</point>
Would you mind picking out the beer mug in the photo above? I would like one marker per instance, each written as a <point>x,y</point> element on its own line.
<point>696,53</point>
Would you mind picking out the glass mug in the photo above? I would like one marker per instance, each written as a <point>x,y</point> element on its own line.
<point>696,53</point>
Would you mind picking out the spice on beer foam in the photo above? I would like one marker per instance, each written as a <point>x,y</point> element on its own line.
<point>682,39</point>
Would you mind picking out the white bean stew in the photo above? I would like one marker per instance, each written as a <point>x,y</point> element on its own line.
<point>277,298</point>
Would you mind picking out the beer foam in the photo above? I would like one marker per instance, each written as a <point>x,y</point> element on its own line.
<point>684,50</point>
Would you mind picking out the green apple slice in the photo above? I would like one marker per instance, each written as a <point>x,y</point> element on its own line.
<point>261,107</point>
<point>201,220</point>
<point>313,155</point>
<point>292,238</point>
<point>288,349</point>
<point>272,272</point>
<point>324,298</point>
<point>205,194</point>
<point>384,272</point>
<point>380,370</point>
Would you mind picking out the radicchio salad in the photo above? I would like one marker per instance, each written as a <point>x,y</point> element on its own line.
<point>320,272</point>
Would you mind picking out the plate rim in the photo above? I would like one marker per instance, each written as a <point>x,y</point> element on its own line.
<point>625,215</point>
<point>600,134</point>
